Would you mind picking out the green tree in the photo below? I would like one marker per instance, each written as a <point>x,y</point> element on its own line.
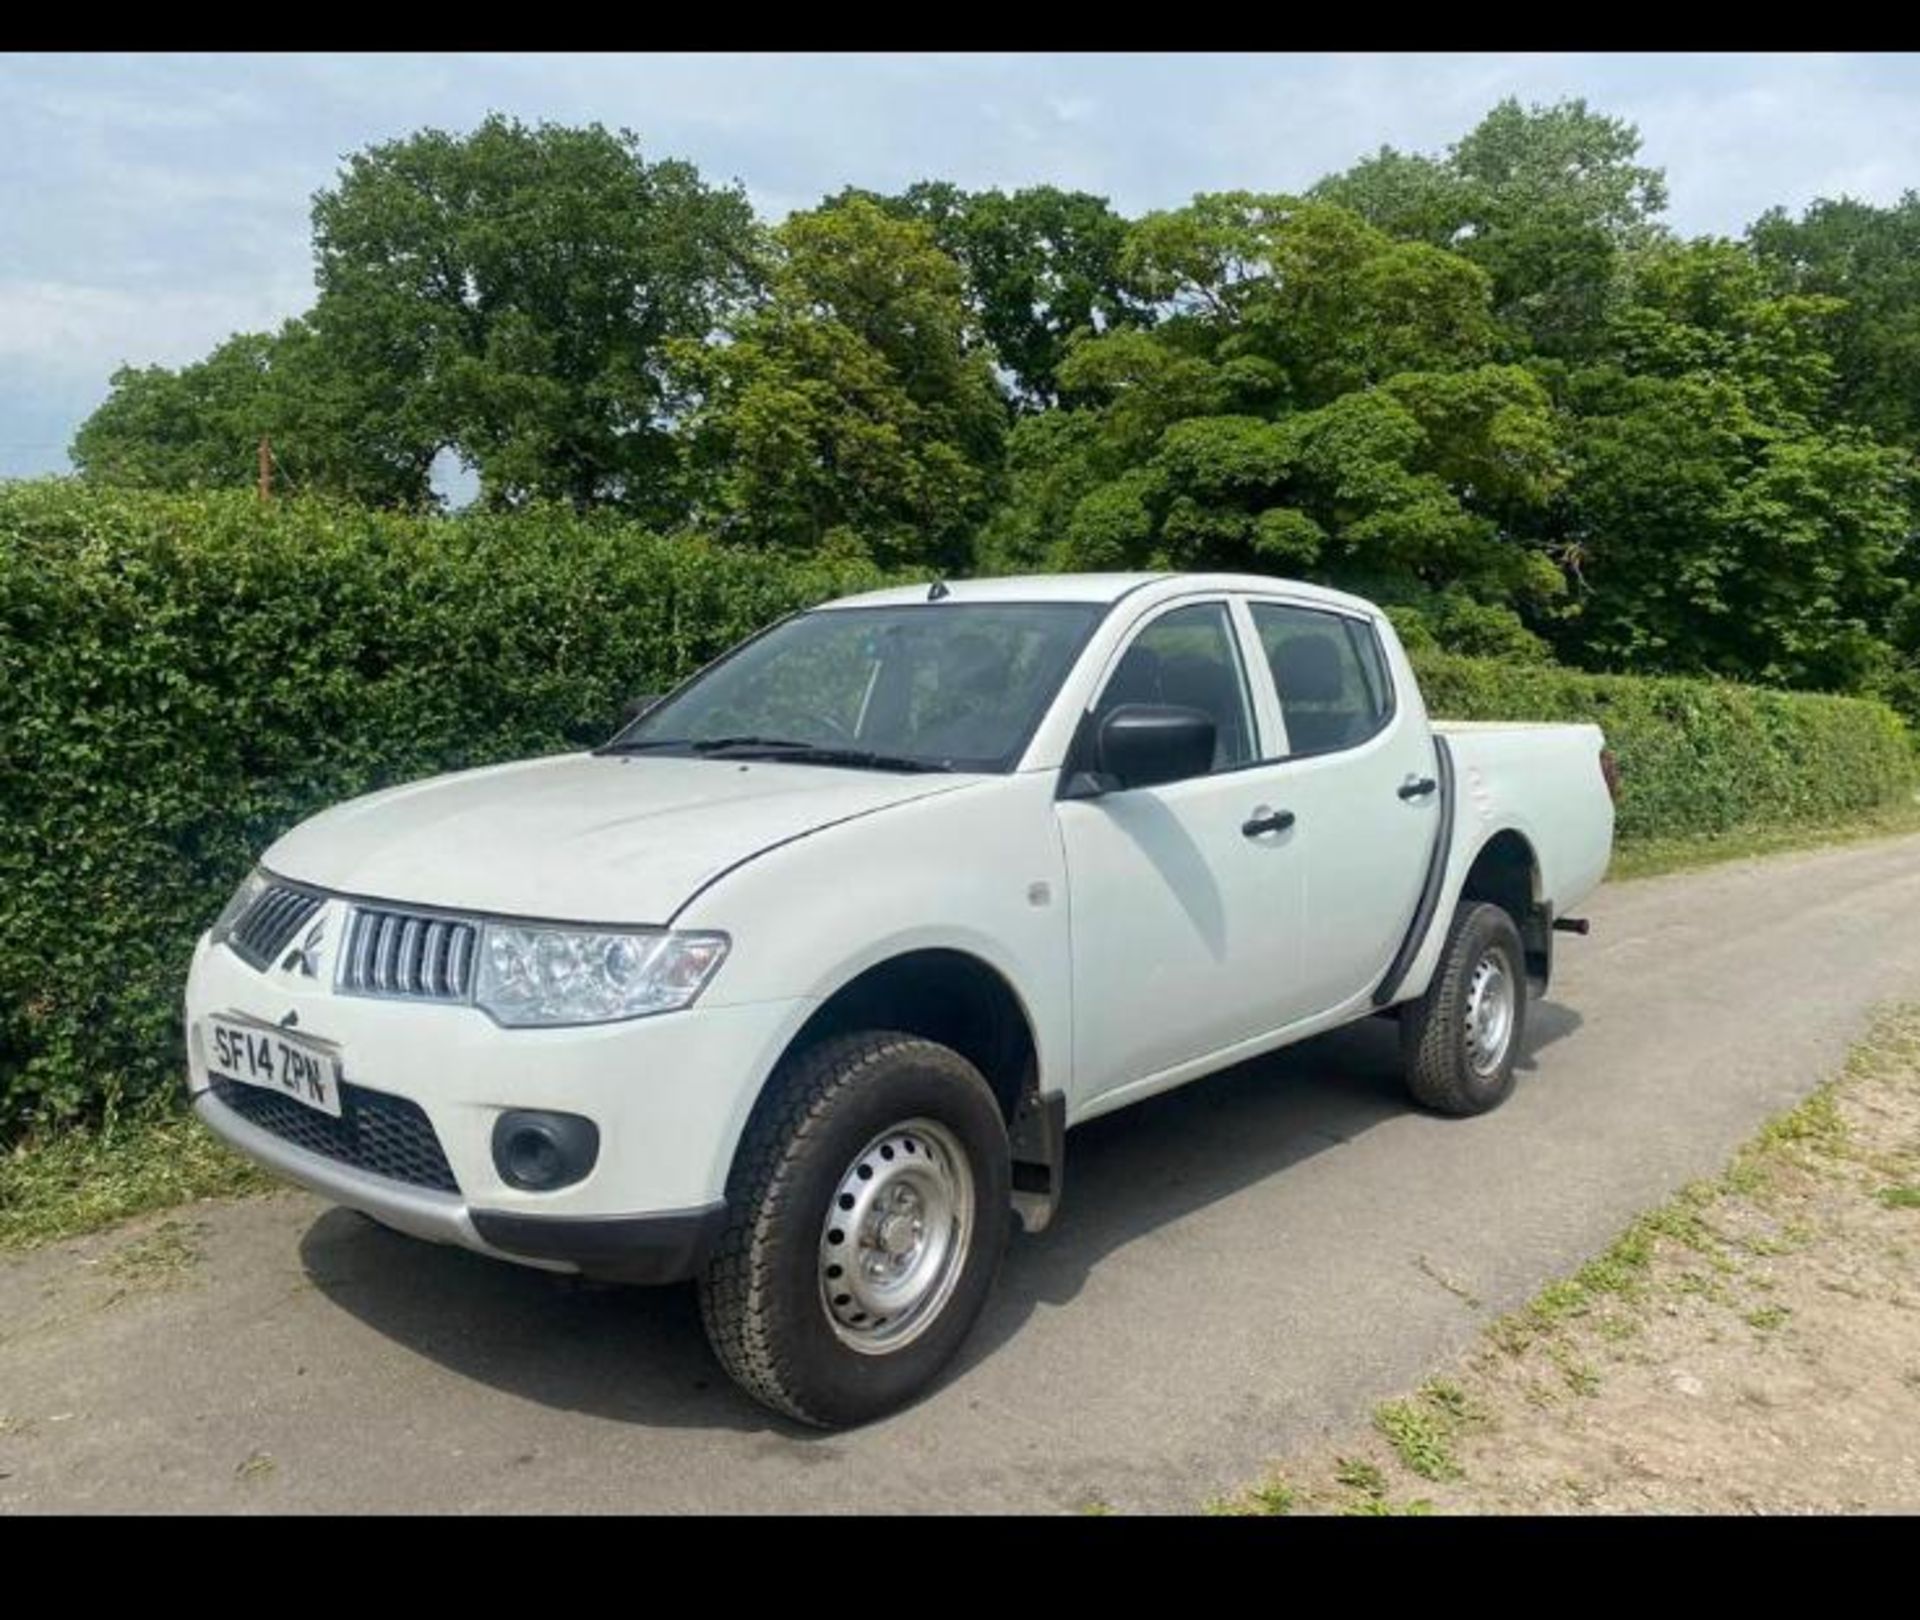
<point>1542,198</point>
<point>1302,299</point>
<point>1318,399</point>
<point>195,428</point>
<point>1870,258</point>
<point>1718,518</point>
<point>1042,264</point>
<point>513,291</point>
<point>852,409</point>
<point>200,427</point>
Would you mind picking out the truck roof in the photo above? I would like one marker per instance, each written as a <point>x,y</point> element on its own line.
<point>1091,588</point>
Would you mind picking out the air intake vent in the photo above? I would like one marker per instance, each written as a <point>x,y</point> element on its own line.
<point>268,925</point>
<point>408,954</point>
<point>380,1134</point>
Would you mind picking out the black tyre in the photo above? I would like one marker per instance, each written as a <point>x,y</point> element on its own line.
<point>869,1206</point>
<point>1458,1042</point>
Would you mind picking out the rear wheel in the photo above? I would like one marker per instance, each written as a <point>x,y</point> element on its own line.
<point>868,1209</point>
<point>1459,1041</point>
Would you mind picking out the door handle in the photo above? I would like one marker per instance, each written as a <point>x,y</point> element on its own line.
<point>1264,820</point>
<point>1417,787</point>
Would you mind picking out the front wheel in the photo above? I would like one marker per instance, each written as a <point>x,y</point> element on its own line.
<point>868,1209</point>
<point>1459,1041</point>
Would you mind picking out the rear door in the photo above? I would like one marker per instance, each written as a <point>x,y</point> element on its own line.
<point>1359,775</point>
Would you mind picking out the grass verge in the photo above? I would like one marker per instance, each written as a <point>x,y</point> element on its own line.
<point>1654,857</point>
<point>1755,1320</point>
<point>79,1180</point>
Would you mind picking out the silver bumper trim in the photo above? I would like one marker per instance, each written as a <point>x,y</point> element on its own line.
<point>420,1212</point>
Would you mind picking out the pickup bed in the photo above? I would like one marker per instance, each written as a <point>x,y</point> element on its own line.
<point>797,985</point>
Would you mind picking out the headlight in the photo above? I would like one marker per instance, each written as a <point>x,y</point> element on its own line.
<point>538,975</point>
<point>237,907</point>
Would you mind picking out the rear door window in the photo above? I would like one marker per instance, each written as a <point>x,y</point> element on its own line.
<point>1329,673</point>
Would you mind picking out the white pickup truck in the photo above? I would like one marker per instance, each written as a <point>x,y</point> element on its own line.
<point>797,985</point>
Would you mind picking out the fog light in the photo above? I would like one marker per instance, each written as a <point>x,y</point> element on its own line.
<point>538,1151</point>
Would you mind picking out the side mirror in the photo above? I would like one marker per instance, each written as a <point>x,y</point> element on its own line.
<point>1142,744</point>
<point>633,708</point>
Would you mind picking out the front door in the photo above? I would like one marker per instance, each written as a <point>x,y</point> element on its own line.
<point>1185,910</point>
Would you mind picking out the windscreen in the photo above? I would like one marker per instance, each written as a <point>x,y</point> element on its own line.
<point>949,685</point>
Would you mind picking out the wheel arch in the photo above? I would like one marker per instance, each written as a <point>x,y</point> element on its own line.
<point>942,993</point>
<point>946,993</point>
<point>1505,872</point>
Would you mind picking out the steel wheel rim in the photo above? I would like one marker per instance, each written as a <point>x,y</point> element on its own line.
<point>1490,1013</point>
<point>896,1236</point>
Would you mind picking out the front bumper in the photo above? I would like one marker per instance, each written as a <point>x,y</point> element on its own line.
<point>659,1248</point>
<point>669,1094</point>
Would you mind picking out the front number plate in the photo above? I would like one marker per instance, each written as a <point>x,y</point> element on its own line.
<point>275,1061</point>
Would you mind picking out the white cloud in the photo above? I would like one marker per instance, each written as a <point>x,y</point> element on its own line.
<point>76,328</point>
<point>1804,128</point>
<point>105,107</point>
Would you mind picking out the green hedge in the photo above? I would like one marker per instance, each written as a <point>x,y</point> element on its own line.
<point>1699,758</point>
<point>182,678</point>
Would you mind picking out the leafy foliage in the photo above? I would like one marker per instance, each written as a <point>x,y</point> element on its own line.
<point>1318,399</point>
<point>183,677</point>
<point>328,425</point>
<point>1699,758</point>
<point>1541,198</point>
<point>197,428</point>
<point>1041,265</point>
<point>854,409</point>
<point>1869,259</point>
<point>1718,520</point>
<point>508,295</point>
<point>526,281</point>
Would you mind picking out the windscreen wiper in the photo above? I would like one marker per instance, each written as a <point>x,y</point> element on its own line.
<point>814,753</point>
<point>782,748</point>
<point>645,745</point>
<point>698,745</point>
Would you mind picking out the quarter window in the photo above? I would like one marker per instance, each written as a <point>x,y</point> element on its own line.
<point>1329,674</point>
<point>1186,658</point>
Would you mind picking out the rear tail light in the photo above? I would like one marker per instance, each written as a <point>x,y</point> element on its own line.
<point>1610,774</point>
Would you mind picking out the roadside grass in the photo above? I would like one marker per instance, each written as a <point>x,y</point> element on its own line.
<point>1421,1432</point>
<point>77,1181</point>
<point>1655,857</point>
<point>1708,1243</point>
<point>160,1259</point>
<point>1608,1288</point>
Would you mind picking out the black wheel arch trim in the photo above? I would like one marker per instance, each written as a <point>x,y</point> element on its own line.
<point>1435,884</point>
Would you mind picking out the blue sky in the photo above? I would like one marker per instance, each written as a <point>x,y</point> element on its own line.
<point>151,205</point>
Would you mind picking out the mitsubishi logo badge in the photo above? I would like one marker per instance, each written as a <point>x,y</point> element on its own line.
<point>306,955</point>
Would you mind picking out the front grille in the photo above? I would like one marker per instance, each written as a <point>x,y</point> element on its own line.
<point>269,924</point>
<point>404,953</point>
<point>379,1133</point>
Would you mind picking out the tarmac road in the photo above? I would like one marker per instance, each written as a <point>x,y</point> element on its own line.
<point>1241,1267</point>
